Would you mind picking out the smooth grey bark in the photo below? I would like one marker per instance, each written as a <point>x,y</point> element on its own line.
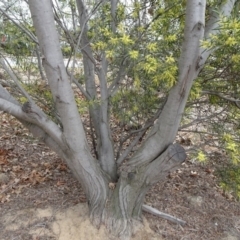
<point>99,110</point>
<point>77,152</point>
<point>106,152</point>
<point>114,4</point>
<point>40,67</point>
<point>125,205</point>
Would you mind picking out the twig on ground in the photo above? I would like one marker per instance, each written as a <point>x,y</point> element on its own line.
<point>157,213</point>
<point>16,181</point>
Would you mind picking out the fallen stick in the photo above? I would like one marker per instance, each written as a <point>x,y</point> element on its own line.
<point>157,213</point>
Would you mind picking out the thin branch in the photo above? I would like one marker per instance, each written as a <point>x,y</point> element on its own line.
<point>129,148</point>
<point>81,34</point>
<point>199,132</point>
<point>29,34</point>
<point>114,4</point>
<point>14,78</point>
<point>115,84</point>
<point>166,216</point>
<point>140,132</point>
<point>135,141</point>
<point>62,24</point>
<point>230,99</point>
<point>203,145</point>
<point>89,69</point>
<point>86,95</point>
<point>195,121</point>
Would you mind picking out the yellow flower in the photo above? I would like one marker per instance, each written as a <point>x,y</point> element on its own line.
<point>151,64</point>
<point>201,156</point>
<point>133,54</point>
<point>100,46</point>
<point>231,41</point>
<point>234,24</point>
<point>109,54</point>
<point>152,47</point>
<point>126,39</point>
<point>113,41</point>
<point>169,78</point>
<point>170,59</point>
<point>236,58</point>
<point>171,38</point>
<point>206,44</point>
<point>105,32</point>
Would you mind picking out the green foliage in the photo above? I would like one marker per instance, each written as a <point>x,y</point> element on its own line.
<point>223,67</point>
<point>16,42</point>
<point>41,93</point>
<point>230,179</point>
<point>125,105</point>
<point>201,157</point>
<point>232,148</point>
<point>66,50</point>
<point>83,105</point>
<point>150,51</point>
<point>218,78</point>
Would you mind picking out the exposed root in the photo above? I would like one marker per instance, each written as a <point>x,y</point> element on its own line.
<point>121,228</point>
<point>96,221</point>
<point>157,213</point>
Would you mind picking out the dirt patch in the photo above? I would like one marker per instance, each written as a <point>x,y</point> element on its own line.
<point>71,223</point>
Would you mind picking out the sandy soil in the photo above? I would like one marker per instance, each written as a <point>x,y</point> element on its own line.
<point>71,223</point>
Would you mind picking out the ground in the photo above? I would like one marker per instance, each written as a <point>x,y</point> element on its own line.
<point>40,199</point>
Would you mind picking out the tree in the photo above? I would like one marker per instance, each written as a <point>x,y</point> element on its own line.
<point>119,45</point>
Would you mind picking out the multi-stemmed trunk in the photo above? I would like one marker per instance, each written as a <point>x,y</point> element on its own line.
<point>115,190</point>
<point>119,204</point>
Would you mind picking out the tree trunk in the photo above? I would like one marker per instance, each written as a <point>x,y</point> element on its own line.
<point>123,208</point>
